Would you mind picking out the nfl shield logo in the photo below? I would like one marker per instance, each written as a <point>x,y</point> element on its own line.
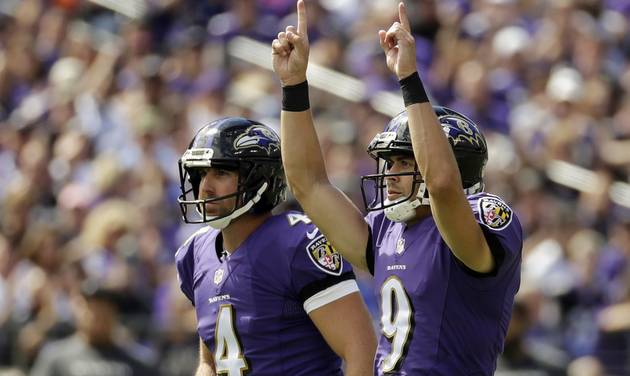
<point>218,276</point>
<point>400,245</point>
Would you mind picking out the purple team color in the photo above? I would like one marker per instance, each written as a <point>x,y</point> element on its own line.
<point>439,317</point>
<point>258,293</point>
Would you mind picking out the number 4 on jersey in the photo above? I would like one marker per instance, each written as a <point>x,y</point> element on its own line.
<point>228,355</point>
<point>295,218</point>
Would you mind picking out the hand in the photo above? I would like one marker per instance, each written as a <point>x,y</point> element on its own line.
<point>399,45</point>
<point>290,51</point>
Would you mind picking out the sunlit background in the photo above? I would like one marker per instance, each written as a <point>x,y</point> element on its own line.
<point>98,99</point>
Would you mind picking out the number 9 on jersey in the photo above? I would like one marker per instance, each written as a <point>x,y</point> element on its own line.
<point>396,321</point>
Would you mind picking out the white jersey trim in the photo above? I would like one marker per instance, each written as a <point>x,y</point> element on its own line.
<point>330,294</point>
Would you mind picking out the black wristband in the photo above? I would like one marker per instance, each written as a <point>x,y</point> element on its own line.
<point>413,90</point>
<point>295,98</point>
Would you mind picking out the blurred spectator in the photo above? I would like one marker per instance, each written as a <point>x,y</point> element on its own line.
<point>585,366</point>
<point>517,357</point>
<point>95,349</point>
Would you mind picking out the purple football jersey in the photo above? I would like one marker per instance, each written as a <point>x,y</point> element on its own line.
<point>252,305</point>
<point>437,316</point>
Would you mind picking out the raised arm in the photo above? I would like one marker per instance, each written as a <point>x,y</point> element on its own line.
<point>435,158</point>
<point>332,211</point>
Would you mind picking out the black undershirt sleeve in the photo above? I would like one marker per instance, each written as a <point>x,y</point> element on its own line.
<point>369,254</point>
<point>322,284</point>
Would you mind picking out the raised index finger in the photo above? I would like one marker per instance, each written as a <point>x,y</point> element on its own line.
<point>301,13</point>
<point>402,15</point>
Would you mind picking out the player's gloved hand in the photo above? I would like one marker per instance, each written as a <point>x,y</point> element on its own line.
<point>290,51</point>
<point>399,45</point>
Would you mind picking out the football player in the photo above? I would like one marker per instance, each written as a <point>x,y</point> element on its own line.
<point>272,296</point>
<point>445,255</point>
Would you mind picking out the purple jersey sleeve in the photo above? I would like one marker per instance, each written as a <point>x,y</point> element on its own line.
<point>500,226</point>
<point>317,265</point>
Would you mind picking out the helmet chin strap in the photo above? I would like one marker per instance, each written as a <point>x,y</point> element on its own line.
<point>405,209</point>
<point>221,223</point>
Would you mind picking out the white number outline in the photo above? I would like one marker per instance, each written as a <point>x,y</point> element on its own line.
<point>392,326</point>
<point>227,347</point>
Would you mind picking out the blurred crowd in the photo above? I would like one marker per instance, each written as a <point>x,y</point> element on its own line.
<point>97,107</point>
